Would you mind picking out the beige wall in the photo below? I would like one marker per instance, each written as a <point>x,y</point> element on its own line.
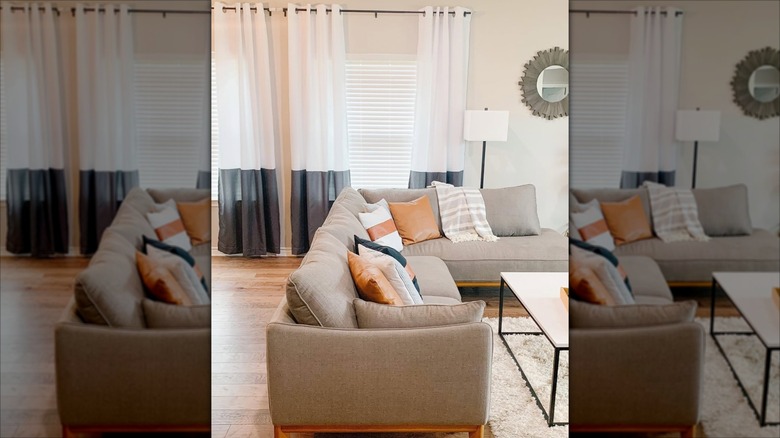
<point>505,34</point>
<point>716,36</point>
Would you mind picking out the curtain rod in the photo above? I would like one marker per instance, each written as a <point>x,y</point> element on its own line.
<point>357,11</point>
<point>587,12</point>
<point>42,9</point>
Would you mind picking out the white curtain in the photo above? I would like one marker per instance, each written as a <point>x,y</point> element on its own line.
<point>318,120</point>
<point>36,191</point>
<point>650,152</point>
<point>249,219</point>
<point>438,148</point>
<point>107,144</point>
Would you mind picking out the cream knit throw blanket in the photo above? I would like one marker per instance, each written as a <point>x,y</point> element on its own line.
<point>675,215</point>
<point>462,213</point>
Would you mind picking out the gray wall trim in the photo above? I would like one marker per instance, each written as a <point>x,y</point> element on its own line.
<point>249,218</point>
<point>313,193</point>
<point>631,180</point>
<point>100,195</point>
<point>37,212</point>
<point>421,180</point>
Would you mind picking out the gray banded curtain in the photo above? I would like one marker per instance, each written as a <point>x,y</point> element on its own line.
<point>650,151</point>
<point>249,217</point>
<point>36,187</point>
<point>318,117</point>
<point>100,195</point>
<point>313,194</point>
<point>438,147</point>
<point>106,113</point>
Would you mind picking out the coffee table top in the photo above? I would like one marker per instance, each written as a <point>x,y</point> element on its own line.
<point>540,294</point>
<point>751,294</point>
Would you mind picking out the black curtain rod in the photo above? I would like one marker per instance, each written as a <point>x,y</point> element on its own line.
<point>42,9</point>
<point>587,12</point>
<point>358,11</point>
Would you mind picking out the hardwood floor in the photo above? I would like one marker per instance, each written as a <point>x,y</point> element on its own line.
<point>34,293</point>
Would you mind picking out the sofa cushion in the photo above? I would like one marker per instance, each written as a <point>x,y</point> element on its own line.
<point>167,316</point>
<point>483,261</point>
<point>202,255</point>
<point>694,261</point>
<point>168,225</point>
<point>415,221</point>
<point>434,278</point>
<point>585,315</point>
<point>379,225</point>
<point>511,211</point>
<point>321,291</point>
<point>344,226</point>
<point>614,195</point>
<point>626,220</point>
<point>723,211</point>
<point>373,246</point>
<point>371,283</point>
<point>109,291</point>
<point>180,252</point>
<point>132,225</point>
<point>351,200</point>
<point>594,279</point>
<point>373,196</point>
<point>647,281</point>
<point>372,315</point>
<point>431,299</point>
<point>196,217</point>
<point>395,273</point>
<point>591,225</point>
<point>607,254</point>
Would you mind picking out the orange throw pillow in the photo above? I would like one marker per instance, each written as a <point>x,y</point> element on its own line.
<point>371,284</point>
<point>626,220</point>
<point>196,217</point>
<point>160,282</point>
<point>414,220</point>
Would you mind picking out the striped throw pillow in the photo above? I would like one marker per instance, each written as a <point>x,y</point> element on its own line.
<point>395,273</point>
<point>379,224</point>
<point>168,226</point>
<point>363,244</point>
<point>591,225</point>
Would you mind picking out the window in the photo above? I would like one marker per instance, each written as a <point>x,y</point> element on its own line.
<point>380,120</point>
<point>597,121</point>
<point>171,115</point>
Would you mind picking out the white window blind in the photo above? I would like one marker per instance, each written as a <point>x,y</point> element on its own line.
<point>214,134</point>
<point>380,121</point>
<point>599,89</point>
<point>3,136</point>
<point>171,112</point>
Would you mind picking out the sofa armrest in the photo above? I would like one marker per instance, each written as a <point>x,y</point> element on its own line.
<point>120,377</point>
<point>421,376</point>
<point>637,376</point>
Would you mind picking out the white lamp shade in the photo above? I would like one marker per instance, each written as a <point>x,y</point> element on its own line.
<point>693,125</point>
<point>486,125</point>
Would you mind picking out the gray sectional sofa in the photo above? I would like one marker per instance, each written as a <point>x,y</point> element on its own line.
<point>326,374</point>
<point>723,212</point>
<point>114,372</point>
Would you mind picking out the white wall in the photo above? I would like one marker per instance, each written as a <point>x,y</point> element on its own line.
<point>505,34</point>
<point>716,36</point>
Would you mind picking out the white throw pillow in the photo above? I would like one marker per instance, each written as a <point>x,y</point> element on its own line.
<point>591,226</point>
<point>168,226</point>
<point>395,273</point>
<point>184,274</point>
<point>379,225</point>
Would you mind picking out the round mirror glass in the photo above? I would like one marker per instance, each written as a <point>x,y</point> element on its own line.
<point>553,83</point>
<point>764,83</point>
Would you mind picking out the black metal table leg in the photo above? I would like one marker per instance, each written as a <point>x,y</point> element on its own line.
<point>712,307</point>
<point>766,386</point>
<point>551,421</point>
<point>501,306</point>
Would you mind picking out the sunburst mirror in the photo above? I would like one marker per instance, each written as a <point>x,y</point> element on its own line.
<point>545,83</point>
<point>756,83</point>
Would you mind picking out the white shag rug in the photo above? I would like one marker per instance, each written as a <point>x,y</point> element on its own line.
<point>725,411</point>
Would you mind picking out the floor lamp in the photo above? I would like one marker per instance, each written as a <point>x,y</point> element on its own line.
<point>696,126</point>
<point>485,126</point>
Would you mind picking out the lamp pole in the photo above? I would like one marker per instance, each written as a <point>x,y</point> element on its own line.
<point>482,174</point>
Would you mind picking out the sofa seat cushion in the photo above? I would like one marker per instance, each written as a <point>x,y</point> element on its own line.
<point>321,291</point>
<point>647,281</point>
<point>696,261</point>
<point>484,261</point>
<point>434,278</point>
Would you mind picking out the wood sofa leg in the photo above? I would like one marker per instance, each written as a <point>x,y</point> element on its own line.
<point>278,433</point>
<point>478,432</point>
<point>690,432</point>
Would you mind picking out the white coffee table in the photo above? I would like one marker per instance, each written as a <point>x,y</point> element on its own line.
<point>539,293</point>
<point>750,294</point>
